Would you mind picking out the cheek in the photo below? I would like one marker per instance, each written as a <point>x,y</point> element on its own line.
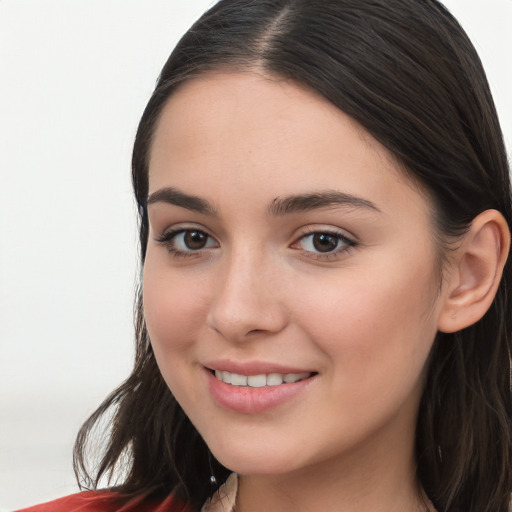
<point>174,310</point>
<point>376,327</point>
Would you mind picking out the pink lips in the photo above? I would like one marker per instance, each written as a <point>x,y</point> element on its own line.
<point>253,400</point>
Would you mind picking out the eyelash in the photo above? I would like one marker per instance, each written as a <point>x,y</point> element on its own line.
<point>343,244</point>
<point>168,240</point>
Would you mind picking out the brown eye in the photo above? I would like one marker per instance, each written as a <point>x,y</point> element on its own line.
<point>186,242</point>
<point>324,242</point>
<point>195,240</point>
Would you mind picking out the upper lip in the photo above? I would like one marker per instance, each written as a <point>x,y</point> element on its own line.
<point>253,367</point>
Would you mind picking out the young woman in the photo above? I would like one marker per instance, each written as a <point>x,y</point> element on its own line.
<point>324,316</point>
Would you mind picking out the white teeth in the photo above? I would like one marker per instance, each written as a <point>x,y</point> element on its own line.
<point>238,380</point>
<point>294,377</point>
<point>274,379</point>
<point>259,381</point>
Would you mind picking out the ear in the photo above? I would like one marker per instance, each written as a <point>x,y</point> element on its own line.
<point>476,272</point>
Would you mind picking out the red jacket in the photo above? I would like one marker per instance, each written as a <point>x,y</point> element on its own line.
<point>102,501</point>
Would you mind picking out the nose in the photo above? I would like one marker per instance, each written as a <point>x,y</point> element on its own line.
<point>247,298</point>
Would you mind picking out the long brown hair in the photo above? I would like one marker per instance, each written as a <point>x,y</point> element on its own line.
<point>407,72</point>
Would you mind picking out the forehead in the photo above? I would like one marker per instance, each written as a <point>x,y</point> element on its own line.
<point>254,130</point>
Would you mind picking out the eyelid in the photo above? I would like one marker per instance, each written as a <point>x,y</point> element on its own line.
<point>325,228</point>
<point>167,238</point>
<point>180,227</point>
<point>349,241</point>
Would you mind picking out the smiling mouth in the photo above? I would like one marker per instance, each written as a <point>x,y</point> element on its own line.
<point>261,380</point>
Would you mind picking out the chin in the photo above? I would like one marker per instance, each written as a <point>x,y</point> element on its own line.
<point>257,460</point>
<point>257,466</point>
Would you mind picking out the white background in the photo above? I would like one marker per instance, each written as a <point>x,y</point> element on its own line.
<point>74,78</point>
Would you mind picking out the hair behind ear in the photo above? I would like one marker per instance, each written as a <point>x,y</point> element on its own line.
<point>466,406</point>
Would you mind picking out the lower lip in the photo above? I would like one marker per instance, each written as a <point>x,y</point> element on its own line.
<point>248,400</point>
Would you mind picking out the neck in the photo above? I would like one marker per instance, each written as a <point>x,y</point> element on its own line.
<point>377,478</point>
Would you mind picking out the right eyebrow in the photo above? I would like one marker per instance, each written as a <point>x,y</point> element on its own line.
<point>171,195</point>
<point>321,199</point>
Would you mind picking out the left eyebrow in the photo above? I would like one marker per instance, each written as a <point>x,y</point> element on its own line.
<point>171,195</point>
<point>306,202</point>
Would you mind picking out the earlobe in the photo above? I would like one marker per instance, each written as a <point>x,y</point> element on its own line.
<point>476,272</point>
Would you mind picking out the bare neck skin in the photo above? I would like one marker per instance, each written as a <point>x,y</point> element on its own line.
<point>377,477</point>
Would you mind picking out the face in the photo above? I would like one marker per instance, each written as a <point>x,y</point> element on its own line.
<point>290,284</point>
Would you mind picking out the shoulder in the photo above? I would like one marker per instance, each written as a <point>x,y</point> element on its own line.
<point>104,501</point>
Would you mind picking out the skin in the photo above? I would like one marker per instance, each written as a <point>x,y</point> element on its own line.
<point>362,317</point>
